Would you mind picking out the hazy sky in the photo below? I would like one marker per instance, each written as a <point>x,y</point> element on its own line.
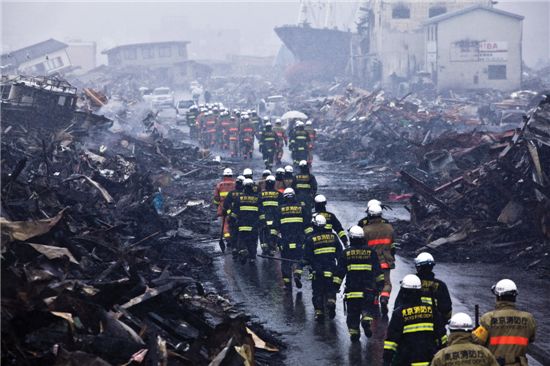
<point>248,25</point>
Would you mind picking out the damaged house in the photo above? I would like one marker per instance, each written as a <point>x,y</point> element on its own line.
<point>44,58</point>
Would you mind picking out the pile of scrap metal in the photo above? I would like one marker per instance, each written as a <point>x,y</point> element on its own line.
<point>99,258</point>
<point>496,210</point>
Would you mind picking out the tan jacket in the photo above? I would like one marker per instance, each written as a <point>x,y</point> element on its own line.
<point>461,351</point>
<point>379,235</point>
<point>507,332</point>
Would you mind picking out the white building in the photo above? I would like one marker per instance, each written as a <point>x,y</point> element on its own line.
<point>153,54</point>
<point>390,48</point>
<point>44,58</point>
<point>82,55</point>
<point>474,48</point>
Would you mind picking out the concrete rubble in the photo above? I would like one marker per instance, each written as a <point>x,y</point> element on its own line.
<point>100,221</point>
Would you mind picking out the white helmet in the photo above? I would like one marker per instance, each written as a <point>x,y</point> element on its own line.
<point>505,287</point>
<point>299,124</point>
<point>461,321</point>
<point>319,220</point>
<point>248,182</point>
<point>289,192</point>
<point>241,178</point>
<point>278,120</point>
<point>289,169</point>
<point>309,123</point>
<point>247,172</point>
<point>280,170</point>
<point>266,172</point>
<point>302,163</point>
<point>375,202</point>
<point>423,259</point>
<point>411,282</point>
<point>356,232</point>
<point>270,178</point>
<point>227,172</point>
<point>374,210</point>
<point>320,199</point>
<point>265,118</point>
<point>268,124</point>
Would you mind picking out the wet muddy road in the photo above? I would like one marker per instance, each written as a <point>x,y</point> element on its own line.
<point>259,289</point>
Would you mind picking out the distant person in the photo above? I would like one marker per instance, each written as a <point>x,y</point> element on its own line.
<point>207,96</point>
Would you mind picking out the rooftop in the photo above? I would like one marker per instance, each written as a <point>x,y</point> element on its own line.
<point>446,16</point>
<point>34,51</point>
<point>132,45</point>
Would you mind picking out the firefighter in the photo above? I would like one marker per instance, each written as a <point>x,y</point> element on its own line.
<point>246,137</point>
<point>228,208</point>
<point>261,183</point>
<point>321,251</point>
<point>191,119</point>
<point>255,121</point>
<point>414,333</point>
<point>332,221</point>
<point>210,129</point>
<point>305,186</point>
<point>233,136</point>
<point>269,142</point>
<point>434,291</point>
<point>365,220</point>
<point>283,140</point>
<point>299,143</point>
<point>247,215</point>
<point>364,279</point>
<point>247,173</point>
<point>461,350</point>
<point>312,136</point>
<point>289,177</point>
<point>379,236</point>
<point>506,331</point>
<point>201,123</point>
<point>290,226</point>
<point>270,199</point>
<point>279,179</point>
<point>225,124</point>
<point>221,191</point>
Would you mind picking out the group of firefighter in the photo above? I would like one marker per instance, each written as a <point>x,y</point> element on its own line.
<point>216,127</point>
<point>286,215</point>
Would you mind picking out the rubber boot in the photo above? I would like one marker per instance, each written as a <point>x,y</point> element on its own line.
<point>319,316</point>
<point>331,308</point>
<point>354,335</point>
<point>384,306</point>
<point>366,328</point>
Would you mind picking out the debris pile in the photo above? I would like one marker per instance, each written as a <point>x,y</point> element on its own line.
<point>498,205</point>
<point>99,263</point>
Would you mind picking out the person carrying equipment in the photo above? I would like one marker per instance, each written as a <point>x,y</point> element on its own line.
<point>270,199</point>
<point>506,331</point>
<point>379,236</point>
<point>364,279</point>
<point>332,221</point>
<point>247,215</point>
<point>290,226</point>
<point>321,251</point>
<point>461,350</point>
<point>414,333</point>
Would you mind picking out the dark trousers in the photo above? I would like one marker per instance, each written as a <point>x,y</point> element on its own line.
<point>361,310</point>
<point>291,249</point>
<point>248,243</point>
<point>324,291</point>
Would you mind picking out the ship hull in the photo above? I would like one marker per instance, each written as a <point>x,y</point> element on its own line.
<point>328,50</point>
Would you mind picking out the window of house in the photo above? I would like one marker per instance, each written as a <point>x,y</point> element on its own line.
<point>401,11</point>
<point>148,52</point>
<point>182,50</point>
<point>436,10</point>
<point>497,72</point>
<point>130,54</point>
<point>165,51</point>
